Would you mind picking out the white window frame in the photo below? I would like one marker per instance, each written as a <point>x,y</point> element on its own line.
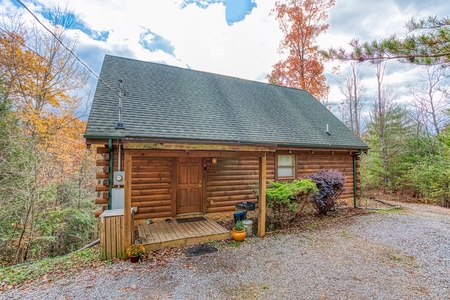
<point>286,167</point>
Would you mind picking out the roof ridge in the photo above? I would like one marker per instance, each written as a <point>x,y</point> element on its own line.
<point>201,71</point>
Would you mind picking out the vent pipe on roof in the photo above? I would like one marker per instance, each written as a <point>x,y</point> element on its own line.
<point>328,132</point>
<point>122,92</point>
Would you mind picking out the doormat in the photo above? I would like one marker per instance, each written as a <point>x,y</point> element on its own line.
<point>200,250</point>
<point>189,220</point>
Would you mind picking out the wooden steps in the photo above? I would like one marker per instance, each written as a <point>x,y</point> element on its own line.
<point>162,234</point>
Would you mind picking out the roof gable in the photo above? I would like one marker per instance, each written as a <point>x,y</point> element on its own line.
<point>166,102</point>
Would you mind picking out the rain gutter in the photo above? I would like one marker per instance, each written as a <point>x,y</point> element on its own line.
<point>354,176</point>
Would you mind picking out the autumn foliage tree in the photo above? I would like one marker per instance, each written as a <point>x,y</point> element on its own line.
<point>301,22</point>
<point>40,76</point>
<point>42,159</point>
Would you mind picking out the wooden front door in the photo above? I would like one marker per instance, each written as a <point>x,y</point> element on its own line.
<point>189,191</point>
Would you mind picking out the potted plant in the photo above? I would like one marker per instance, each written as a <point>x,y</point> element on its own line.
<point>238,232</point>
<point>135,251</point>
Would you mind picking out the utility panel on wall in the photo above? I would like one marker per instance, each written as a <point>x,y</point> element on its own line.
<point>117,198</point>
<point>119,178</point>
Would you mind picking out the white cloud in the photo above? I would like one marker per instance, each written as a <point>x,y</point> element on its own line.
<point>203,40</point>
<point>201,37</point>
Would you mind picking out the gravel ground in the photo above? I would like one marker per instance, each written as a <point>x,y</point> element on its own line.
<point>403,254</point>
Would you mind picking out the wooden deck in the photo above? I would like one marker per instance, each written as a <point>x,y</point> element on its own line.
<point>162,234</point>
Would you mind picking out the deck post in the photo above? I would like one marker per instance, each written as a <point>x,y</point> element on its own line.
<point>262,196</point>
<point>127,215</point>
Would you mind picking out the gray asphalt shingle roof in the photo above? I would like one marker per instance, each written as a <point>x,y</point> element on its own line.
<point>166,102</point>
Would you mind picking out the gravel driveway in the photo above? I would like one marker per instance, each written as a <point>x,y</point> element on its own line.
<point>402,254</point>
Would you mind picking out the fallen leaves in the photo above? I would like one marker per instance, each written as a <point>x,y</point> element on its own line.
<point>131,287</point>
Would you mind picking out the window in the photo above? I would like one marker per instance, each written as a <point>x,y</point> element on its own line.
<point>286,165</point>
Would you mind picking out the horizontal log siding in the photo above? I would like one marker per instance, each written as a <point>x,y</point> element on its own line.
<point>227,182</point>
<point>343,162</point>
<point>231,180</point>
<point>151,186</point>
<point>102,176</point>
<point>270,162</point>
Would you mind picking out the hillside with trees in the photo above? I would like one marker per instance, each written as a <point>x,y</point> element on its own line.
<point>46,173</point>
<point>47,177</point>
<point>409,142</point>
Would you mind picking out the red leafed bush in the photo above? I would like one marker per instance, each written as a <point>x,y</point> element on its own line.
<point>330,184</point>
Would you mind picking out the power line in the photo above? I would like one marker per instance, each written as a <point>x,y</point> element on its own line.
<point>70,51</point>
<point>22,43</point>
<point>39,55</point>
<point>35,52</point>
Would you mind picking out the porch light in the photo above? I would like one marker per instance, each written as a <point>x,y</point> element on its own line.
<point>214,160</point>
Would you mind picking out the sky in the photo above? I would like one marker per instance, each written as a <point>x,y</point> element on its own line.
<point>238,38</point>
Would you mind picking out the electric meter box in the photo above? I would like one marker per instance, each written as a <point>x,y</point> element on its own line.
<point>119,178</point>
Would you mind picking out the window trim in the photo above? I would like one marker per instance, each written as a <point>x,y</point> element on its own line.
<point>294,167</point>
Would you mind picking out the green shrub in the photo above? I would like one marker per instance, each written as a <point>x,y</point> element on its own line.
<point>286,200</point>
<point>431,178</point>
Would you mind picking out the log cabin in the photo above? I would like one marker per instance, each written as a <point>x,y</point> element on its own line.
<point>176,142</point>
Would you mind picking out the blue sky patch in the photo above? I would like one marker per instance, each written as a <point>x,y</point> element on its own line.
<point>236,10</point>
<point>67,20</point>
<point>101,36</point>
<point>153,42</point>
<point>71,21</point>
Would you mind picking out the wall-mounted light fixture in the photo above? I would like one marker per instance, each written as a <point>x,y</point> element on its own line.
<point>214,160</point>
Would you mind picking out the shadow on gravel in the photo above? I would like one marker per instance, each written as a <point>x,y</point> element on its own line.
<point>200,250</point>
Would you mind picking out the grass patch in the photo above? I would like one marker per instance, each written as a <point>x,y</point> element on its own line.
<point>50,268</point>
<point>212,243</point>
<point>234,244</point>
<point>345,234</point>
<point>406,259</point>
<point>386,210</point>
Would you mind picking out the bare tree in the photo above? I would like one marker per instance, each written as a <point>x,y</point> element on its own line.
<point>354,91</point>
<point>431,101</point>
<point>382,105</point>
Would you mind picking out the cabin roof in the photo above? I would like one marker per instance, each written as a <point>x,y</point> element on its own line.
<point>166,102</point>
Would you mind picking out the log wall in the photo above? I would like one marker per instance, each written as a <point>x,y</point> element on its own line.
<point>102,177</point>
<point>342,161</point>
<point>230,180</point>
<point>102,174</point>
<point>153,186</point>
